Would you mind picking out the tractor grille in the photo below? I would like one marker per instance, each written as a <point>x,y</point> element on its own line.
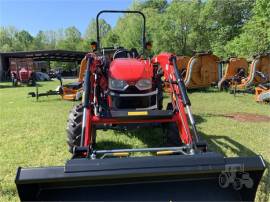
<point>134,100</point>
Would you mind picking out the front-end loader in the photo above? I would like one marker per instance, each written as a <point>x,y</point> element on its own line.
<point>122,90</point>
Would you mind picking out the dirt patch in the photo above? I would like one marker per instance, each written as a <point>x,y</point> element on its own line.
<point>246,117</point>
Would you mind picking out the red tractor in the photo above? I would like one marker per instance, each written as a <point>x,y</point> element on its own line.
<point>21,70</point>
<point>121,89</point>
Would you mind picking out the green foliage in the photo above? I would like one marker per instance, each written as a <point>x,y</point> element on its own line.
<point>223,21</point>
<point>255,35</point>
<point>71,41</point>
<point>91,32</point>
<point>235,27</point>
<point>33,133</point>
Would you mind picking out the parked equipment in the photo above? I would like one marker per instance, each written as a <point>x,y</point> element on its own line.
<point>259,72</point>
<point>71,91</point>
<point>127,90</point>
<point>262,93</point>
<point>182,63</point>
<point>236,69</point>
<point>202,71</point>
<point>21,70</point>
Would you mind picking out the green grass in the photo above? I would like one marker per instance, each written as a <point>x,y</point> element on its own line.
<point>33,133</point>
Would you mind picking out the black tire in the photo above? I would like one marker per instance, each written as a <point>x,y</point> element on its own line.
<point>172,135</point>
<point>237,184</point>
<point>223,180</point>
<point>74,127</point>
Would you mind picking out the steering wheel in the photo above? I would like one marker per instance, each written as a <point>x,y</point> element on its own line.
<point>121,53</point>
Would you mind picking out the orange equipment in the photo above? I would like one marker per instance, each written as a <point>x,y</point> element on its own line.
<point>235,67</point>
<point>259,66</point>
<point>72,91</point>
<point>182,63</point>
<point>202,71</point>
<point>262,93</point>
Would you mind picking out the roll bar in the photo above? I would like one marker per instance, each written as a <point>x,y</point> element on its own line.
<point>118,11</point>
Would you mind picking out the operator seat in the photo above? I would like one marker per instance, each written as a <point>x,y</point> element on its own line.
<point>134,53</point>
<point>121,53</point>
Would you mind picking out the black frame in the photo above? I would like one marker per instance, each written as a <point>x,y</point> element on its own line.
<point>138,178</point>
<point>116,11</point>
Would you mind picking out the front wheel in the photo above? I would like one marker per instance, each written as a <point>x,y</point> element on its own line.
<point>74,127</point>
<point>223,180</point>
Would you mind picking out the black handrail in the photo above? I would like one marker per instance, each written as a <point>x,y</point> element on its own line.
<point>116,11</point>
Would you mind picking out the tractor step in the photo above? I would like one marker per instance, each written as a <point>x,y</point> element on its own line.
<point>148,114</point>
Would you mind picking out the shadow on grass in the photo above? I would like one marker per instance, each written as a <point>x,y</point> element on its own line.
<point>198,119</point>
<point>49,98</point>
<point>19,86</point>
<point>218,143</point>
<point>9,86</point>
<point>204,90</point>
<point>154,137</point>
<point>149,135</point>
<point>104,144</point>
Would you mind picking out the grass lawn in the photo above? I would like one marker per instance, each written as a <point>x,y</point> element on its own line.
<point>33,133</point>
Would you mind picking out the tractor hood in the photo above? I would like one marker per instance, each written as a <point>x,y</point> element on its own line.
<point>128,69</point>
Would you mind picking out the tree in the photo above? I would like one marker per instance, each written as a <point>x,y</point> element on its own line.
<point>22,41</point>
<point>39,42</point>
<point>7,35</point>
<point>158,5</point>
<point>175,26</point>
<point>91,31</point>
<point>223,21</point>
<point>72,39</point>
<point>255,36</point>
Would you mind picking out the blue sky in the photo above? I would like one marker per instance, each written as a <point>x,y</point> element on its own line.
<point>35,15</point>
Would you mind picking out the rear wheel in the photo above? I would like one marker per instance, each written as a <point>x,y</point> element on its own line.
<point>74,128</point>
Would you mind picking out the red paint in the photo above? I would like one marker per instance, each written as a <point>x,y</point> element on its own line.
<point>87,134</point>
<point>129,69</point>
<point>132,70</point>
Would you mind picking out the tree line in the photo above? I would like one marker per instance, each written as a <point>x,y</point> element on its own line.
<point>226,27</point>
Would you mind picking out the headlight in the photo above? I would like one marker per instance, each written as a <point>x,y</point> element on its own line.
<point>144,84</point>
<point>117,84</point>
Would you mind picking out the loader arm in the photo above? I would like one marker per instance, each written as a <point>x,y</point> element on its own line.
<point>185,171</point>
<point>179,96</point>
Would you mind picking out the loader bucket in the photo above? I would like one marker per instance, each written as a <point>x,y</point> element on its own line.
<point>155,178</point>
